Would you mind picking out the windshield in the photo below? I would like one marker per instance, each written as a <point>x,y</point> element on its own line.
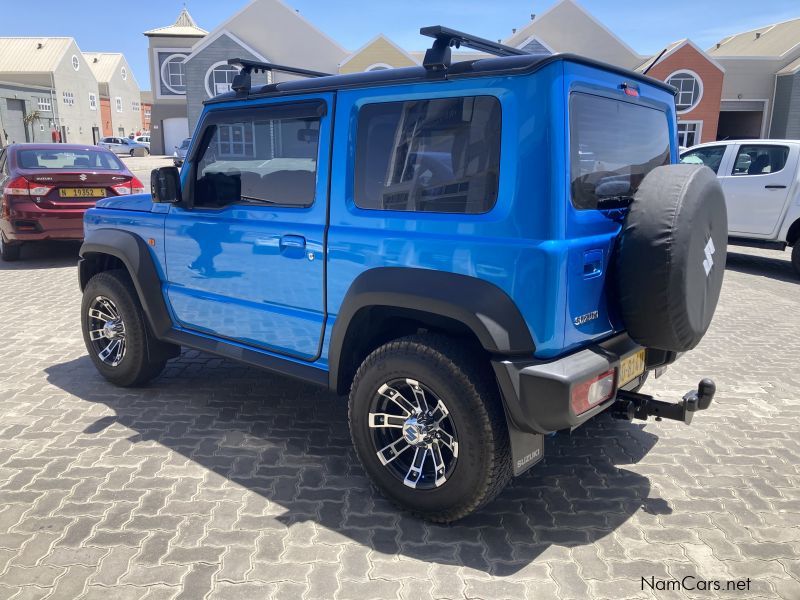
<point>68,159</point>
<point>613,145</point>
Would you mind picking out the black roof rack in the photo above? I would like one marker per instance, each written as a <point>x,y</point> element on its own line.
<point>241,83</point>
<point>438,57</point>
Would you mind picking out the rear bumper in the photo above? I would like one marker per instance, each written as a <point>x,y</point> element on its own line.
<point>537,393</point>
<point>28,223</point>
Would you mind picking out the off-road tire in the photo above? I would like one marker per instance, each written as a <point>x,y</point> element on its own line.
<point>468,388</point>
<point>145,357</point>
<point>796,257</point>
<point>9,252</point>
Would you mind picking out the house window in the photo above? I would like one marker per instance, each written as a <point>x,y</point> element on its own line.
<point>76,64</point>
<point>135,106</point>
<point>124,72</point>
<point>689,133</point>
<point>44,103</point>
<point>92,101</point>
<point>147,112</point>
<point>68,98</point>
<point>378,67</point>
<point>219,79</point>
<point>173,74</point>
<point>690,89</point>
<point>118,103</point>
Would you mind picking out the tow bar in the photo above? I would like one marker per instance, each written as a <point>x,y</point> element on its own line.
<point>630,405</point>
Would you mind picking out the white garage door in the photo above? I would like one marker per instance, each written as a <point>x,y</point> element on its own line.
<point>175,131</point>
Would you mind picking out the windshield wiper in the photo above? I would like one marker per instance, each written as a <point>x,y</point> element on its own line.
<point>611,202</point>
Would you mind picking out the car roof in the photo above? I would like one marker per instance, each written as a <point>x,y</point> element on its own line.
<point>504,65</point>
<point>776,142</point>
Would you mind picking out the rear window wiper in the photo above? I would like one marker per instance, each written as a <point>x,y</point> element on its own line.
<point>611,202</point>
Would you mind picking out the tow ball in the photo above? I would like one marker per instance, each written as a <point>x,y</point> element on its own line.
<point>630,405</point>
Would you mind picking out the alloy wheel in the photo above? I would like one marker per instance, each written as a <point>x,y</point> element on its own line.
<point>107,331</point>
<point>413,434</point>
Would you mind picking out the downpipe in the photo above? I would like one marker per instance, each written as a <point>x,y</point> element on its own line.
<point>631,405</point>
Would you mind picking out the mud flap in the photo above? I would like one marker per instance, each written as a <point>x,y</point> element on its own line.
<point>527,449</point>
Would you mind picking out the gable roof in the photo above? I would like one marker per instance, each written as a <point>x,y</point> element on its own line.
<point>32,55</point>
<point>672,49</point>
<point>791,68</point>
<point>103,64</point>
<point>772,40</point>
<point>210,39</point>
<point>184,26</point>
<point>568,27</point>
<point>377,39</point>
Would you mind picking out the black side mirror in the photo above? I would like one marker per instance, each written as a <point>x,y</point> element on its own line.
<point>165,185</point>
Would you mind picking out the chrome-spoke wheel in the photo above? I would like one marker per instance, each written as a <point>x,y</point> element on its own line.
<point>413,433</point>
<point>107,331</point>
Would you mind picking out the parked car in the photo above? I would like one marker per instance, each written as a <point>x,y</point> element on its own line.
<point>144,140</point>
<point>45,190</point>
<point>122,146</point>
<point>418,239</point>
<point>761,181</point>
<point>180,152</point>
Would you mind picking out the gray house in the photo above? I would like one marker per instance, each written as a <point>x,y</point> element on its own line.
<point>26,113</point>
<point>169,47</point>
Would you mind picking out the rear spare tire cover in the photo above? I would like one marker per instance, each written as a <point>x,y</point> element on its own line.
<point>671,257</point>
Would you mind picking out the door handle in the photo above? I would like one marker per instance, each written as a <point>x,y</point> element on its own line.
<point>293,241</point>
<point>592,263</point>
<point>775,187</point>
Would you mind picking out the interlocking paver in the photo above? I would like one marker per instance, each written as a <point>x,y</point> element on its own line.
<point>221,481</point>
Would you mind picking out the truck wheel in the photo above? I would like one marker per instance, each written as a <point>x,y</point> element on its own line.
<point>796,257</point>
<point>116,334</point>
<point>427,423</point>
<point>9,252</point>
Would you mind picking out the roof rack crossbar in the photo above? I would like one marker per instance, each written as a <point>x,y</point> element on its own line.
<point>242,81</point>
<point>438,57</point>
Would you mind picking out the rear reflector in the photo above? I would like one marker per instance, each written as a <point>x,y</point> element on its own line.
<point>592,392</point>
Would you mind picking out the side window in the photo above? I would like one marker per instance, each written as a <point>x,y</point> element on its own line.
<point>755,159</point>
<point>266,155</point>
<point>710,156</point>
<point>439,155</point>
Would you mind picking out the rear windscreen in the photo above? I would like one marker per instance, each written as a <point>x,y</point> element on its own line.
<point>68,159</point>
<point>613,145</point>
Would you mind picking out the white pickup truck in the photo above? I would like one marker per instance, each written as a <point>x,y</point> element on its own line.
<point>761,181</point>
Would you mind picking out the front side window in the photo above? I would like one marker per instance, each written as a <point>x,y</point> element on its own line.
<point>755,159</point>
<point>613,145</point>
<point>710,156</point>
<point>265,156</point>
<point>439,155</point>
<point>689,89</point>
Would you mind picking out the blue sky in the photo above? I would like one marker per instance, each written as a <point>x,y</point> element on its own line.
<point>646,26</point>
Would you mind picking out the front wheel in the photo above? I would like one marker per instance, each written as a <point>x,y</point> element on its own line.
<point>116,334</point>
<point>428,426</point>
<point>131,153</point>
<point>796,257</point>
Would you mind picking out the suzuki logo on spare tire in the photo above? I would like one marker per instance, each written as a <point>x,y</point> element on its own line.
<point>708,263</point>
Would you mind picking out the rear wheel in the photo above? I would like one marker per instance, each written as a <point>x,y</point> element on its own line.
<point>796,257</point>
<point>427,423</point>
<point>116,334</point>
<point>9,252</point>
<point>131,152</point>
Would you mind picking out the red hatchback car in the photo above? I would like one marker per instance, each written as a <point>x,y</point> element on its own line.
<point>46,188</point>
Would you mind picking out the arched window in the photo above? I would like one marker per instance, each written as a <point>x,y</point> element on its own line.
<point>76,64</point>
<point>690,89</point>
<point>173,74</point>
<point>124,73</point>
<point>219,78</point>
<point>378,67</point>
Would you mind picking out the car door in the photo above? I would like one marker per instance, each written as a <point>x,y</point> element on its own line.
<point>246,261</point>
<point>757,186</point>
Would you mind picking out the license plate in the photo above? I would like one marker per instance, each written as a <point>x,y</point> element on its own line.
<point>631,367</point>
<point>82,193</point>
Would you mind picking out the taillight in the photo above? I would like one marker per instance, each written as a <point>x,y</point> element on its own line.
<point>22,187</point>
<point>592,392</point>
<point>134,186</point>
<point>137,187</point>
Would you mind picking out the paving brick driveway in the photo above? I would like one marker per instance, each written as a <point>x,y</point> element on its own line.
<point>224,482</point>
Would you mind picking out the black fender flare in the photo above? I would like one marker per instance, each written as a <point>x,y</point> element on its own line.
<point>481,306</point>
<point>134,253</point>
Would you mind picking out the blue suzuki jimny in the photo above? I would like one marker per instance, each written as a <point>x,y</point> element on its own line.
<point>480,253</point>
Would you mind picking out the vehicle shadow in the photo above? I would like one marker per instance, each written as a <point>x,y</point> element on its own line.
<point>44,255</point>
<point>289,442</point>
<point>764,266</point>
